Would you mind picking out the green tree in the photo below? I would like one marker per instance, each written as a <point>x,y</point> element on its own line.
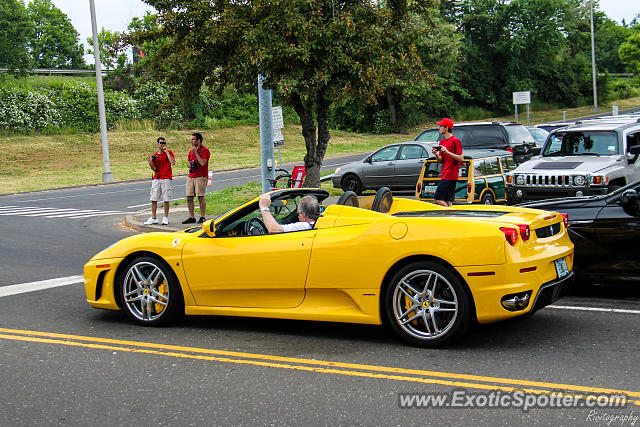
<point>53,42</point>
<point>14,29</point>
<point>629,51</point>
<point>112,49</point>
<point>311,52</point>
<point>609,36</point>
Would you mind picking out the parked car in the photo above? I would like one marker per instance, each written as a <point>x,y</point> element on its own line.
<point>396,166</point>
<point>489,135</point>
<point>553,126</point>
<point>539,134</point>
<point>588,158</point>
<point>481,177</point>
<point>606,232</point>
<point>427,271</point>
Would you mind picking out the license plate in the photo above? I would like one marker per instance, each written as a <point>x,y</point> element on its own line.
<point>561,267</point>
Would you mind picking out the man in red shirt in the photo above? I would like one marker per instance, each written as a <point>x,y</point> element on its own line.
<point>198,162</point>
<point>160,163</point>
<point>449,153</point>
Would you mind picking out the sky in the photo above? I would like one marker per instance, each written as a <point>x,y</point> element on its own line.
<point>115,15</point>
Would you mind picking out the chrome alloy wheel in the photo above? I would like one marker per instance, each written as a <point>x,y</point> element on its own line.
<point>425,305</point>
<point>145,291</point>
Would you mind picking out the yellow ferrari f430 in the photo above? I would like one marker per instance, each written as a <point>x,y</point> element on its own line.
<point>426,271</point>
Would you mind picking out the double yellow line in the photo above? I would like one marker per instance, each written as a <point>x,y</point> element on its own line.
<point>319,366</point>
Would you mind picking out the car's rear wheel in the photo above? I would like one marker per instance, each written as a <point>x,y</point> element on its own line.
<point>487,199</point>
<point>150,293</point>
<point>427,305</point>
<point>352,183</point>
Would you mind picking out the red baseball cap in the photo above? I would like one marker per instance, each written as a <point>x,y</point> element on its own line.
<point>448,123</point>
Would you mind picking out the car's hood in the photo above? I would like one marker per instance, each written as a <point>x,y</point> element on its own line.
<point>567,164</point>
<point>149,242</point>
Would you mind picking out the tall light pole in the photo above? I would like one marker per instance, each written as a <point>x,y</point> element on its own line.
<point>107,176</point>
<point>593,64</point>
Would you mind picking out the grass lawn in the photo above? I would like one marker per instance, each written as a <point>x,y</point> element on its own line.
<point>39,162</point>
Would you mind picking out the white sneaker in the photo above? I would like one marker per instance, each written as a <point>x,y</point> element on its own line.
<point>165,220</point>
<point>151,221</point>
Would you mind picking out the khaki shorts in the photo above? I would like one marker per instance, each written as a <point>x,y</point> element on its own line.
<point>196,186</point>
<point>161,190</point>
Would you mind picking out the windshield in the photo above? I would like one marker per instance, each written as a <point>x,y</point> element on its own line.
<point>519,134</point>
<point>597,143</point>
<point>428,135</point>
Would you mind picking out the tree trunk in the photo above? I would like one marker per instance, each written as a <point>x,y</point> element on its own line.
<point>393,106</point>
<point>316,144</point>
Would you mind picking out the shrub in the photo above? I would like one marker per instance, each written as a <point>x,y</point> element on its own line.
<point>25,110</point>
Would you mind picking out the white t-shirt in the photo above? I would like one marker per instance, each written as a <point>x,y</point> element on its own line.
<point>297,226</point>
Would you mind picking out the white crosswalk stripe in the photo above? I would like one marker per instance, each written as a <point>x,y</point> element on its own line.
<point>31,211</point>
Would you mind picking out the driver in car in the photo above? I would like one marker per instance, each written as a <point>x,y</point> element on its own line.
<point>308,213</point>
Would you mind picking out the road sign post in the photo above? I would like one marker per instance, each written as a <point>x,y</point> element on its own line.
<point>522,98</point>
<point>278,124</point>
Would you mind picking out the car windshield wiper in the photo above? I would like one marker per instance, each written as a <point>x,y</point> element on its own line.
<point>584,154</point>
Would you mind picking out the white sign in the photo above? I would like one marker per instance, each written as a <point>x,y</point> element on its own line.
<point>522,97</point>
<point>278,138</point>
<point>276,118</point>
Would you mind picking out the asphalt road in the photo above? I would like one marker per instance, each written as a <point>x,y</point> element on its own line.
<point>65,363</point>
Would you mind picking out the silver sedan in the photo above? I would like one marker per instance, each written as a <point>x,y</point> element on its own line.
<point>396,166</point>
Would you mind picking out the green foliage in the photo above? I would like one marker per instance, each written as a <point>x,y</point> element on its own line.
<point>14,30</point>
<point>629,51</point>
<point>28,110</point>
<point>53,42</point>
<point>112,49</point>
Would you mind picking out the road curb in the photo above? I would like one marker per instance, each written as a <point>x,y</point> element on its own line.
<point>136,221</point>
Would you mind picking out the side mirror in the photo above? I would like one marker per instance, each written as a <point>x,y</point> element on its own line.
<point>629,202</point>
<point>367,159</point>
<point>209,228</point>
<point>635,149</point>
<point>632,153</point>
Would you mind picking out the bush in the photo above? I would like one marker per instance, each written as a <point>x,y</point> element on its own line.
<point>24,110</point>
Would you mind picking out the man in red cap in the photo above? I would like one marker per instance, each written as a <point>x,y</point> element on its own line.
<point>449,153</point>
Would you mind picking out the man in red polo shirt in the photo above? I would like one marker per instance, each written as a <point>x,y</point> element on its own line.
<point>449,153</point>
<point>198,162</point>
<point>160,163</point>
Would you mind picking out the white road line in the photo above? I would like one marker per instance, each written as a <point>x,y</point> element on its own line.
<point>147,204</point>
<point>85,214</point>
<point>40,285</point>
<point>75,195</point>
<point>603,310</point>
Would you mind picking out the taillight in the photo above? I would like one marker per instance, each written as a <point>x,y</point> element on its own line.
<point>469,188</point>
<point>419,187</point>
<point>565,219</point>
<point>524,231</point>
<point>509,149</point>
<point>511,234</point>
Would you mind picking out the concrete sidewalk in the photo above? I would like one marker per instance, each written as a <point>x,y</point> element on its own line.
<point>176,216</point>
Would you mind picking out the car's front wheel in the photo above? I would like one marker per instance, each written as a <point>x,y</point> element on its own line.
<point>427,305</point>
<point>150,293</point>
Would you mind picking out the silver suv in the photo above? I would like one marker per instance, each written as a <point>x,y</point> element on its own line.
<point>590,157</point>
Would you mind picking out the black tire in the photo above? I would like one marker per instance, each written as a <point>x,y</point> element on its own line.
<point>149,292</point>
<point>487,199</point>
<point>351,182</point>
<point>348,198</point>
<point>427,305</point>
<point>382,201</point>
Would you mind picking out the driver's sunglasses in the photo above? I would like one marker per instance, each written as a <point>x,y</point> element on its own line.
<point>162,143</point>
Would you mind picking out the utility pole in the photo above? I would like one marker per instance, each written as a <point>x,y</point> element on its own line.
<point>593,64</point>
<point>107,176</point>
<point>266,136</point>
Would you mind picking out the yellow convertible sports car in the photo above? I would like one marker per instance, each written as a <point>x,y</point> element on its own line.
<point>428,272</point>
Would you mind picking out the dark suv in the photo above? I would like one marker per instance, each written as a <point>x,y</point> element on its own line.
<point>486,135</point>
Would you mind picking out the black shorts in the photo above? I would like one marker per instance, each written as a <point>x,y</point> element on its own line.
<point>446,190</point>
